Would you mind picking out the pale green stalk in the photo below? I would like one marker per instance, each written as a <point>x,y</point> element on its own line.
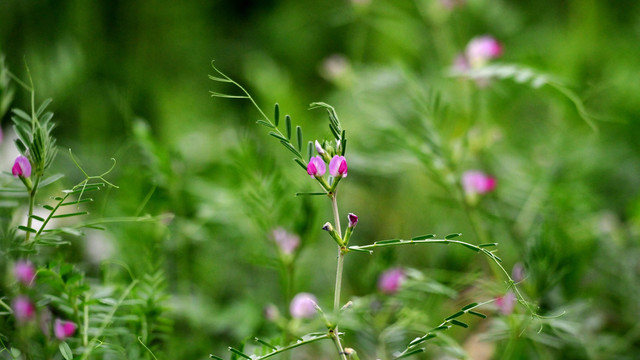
<point>339,269</point>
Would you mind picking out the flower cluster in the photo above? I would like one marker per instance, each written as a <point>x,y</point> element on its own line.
<point>337,163</point>
<point>24,308</point>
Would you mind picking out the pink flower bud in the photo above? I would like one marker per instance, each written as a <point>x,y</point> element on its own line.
<point>287,242</point>
<point>391,280</point>
<point>477,182</point>
<point>482,49</point>
<point>24,272</point>
<point>338,166</point>
<point>63,329</point>
<point>303,305</point>
<point>21,167</point>
<point>319,148</point>
<point>23,309</point>
<point>316,166</point>
<point>353,219</point>
<point>517,273</point>
<point>506,303</point>
<point>271,313</point>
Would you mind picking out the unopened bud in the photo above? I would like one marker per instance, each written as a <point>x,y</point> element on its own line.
<point>353,219</point>
<point>319,148</point>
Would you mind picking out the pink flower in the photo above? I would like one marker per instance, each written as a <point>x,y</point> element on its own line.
<point>287,242</point>
<point>63,329</point>
<point>517,273</point>
<point>506,303</point>
<point>303,305</point>
<point>477,182</point>
<point>316,166</point>
<point>481,49</point>
<point>23,309</point>
<point>338,166</point>
<point>271,313</point>
<point>21,167</point>
<point>353,220</point>
<point>391,280</point>
<point>24,272</point>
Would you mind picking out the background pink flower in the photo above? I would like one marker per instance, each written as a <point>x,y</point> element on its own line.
<point>287,242</point>
<point>391,280</point>
<point>477,182</point>
<point>506,303</point>
<point>303,305</point>
<point>24,272</point>
<point>63,329</point>
<point>23,308</point>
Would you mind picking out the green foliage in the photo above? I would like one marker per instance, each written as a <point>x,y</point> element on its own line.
<point>566,204</point>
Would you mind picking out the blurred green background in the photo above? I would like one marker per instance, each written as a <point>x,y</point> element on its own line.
<point>129,81</point>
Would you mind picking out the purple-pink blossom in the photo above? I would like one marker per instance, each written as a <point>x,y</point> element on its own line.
<point>477,182</point>
<point>517,273</point>
<point>303,305</point>
<point>506,303</point>
<point>21,167</point>
<point>391,280</point>
<point>24,271</point>
<point>63,329</point>
<point>287,242</point>
<point>338,166</point>
<point>481,49</point>
<point>316,166</point>
<point>353,219</point>
<point>23,309</point>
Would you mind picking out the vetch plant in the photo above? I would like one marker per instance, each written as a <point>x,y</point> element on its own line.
<point>51,310</point>
<point>333,154</point>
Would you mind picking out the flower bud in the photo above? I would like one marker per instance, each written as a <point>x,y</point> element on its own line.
<point>271,313</point>
<point>319,148</point>
<point>353,220</point>
<point>24,272</point>
<point>338,166</point>
<point>327,227</point>
<point>303,305</point>
<point>517,273</point>
<point>63,329</point>
<point>21,167</point>
<point>477,182</point>
<point>391,280</point>
<point>316,167</point>
<point>23,309</point>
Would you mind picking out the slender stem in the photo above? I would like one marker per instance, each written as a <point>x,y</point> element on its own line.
<point>336,219</point>
<point>339,268</point>
<point>32,200</point>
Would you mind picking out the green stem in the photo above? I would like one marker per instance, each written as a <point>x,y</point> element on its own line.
<point>339,269</point>
<point>32,200</point>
